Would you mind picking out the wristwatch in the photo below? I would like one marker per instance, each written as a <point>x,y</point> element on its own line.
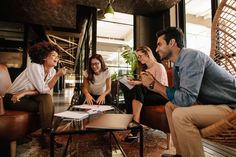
<point>151,85</point>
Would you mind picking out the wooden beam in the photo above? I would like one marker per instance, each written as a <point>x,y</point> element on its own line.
<point>64,34</point>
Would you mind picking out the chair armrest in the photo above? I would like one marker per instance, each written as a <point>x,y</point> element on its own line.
<point>74,100</point>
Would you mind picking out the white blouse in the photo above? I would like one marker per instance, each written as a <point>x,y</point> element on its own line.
<point>99,85</point>
<point>32,78</point>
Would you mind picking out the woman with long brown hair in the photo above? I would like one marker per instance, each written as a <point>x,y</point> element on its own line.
<point>140,95</point>
<point>96,86</point>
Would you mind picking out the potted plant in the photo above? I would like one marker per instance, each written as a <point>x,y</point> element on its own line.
<point>130,58</point>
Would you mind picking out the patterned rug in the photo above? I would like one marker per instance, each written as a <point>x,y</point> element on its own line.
<point>98,145</point>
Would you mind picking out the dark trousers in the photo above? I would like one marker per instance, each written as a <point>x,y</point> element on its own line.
<point>41,104</point>
<point>108,98</point>
<point>142,94</point>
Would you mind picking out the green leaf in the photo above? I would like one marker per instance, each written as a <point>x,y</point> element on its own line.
<point>130,58</point>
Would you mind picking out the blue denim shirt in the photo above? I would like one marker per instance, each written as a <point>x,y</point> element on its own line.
<point>197,78</point>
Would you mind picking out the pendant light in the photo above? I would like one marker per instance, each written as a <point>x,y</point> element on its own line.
<point>109,11</point>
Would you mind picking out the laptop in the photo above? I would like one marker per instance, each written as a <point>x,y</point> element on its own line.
<point>111,121</point>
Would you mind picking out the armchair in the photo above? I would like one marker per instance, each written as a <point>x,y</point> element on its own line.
<point>223,51</point>
<point>13,124</point>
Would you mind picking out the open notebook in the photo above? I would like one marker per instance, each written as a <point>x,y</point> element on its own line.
<point>111,121</point>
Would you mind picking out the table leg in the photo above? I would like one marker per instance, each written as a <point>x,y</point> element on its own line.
<point>52,145</point>
<point>117,142</point>
<point>141,141</point>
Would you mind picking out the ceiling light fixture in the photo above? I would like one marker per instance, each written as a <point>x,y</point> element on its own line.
<point>109,11</point>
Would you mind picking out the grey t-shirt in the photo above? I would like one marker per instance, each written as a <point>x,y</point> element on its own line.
<point>99,85</point>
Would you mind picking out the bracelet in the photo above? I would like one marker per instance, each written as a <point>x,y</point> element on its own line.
<point>151,85</point>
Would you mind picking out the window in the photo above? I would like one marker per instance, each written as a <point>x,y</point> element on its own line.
<point>112,35</point>
<point>198,25</point>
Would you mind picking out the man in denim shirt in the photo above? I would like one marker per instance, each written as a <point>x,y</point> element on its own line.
<point>203,92</point>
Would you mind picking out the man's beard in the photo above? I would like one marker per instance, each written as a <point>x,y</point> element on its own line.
<point>168,56</point>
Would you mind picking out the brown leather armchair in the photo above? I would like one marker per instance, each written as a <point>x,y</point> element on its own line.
<point>13,124</point>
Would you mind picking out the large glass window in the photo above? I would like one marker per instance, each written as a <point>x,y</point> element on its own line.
<point>112,35</point>
<point>198,24</point>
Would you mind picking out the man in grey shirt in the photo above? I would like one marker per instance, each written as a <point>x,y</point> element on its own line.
<point>203,92</point>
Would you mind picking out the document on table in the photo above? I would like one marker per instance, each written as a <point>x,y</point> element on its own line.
<point>94,108</point>
<point>72,115</point>
<point>124,80</point>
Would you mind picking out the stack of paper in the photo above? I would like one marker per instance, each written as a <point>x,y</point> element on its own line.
<point>72,115</point>
<point>94,108</point>
<point>124,80</point>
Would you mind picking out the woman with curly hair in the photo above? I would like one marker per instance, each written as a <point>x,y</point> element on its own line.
<point>31,90</point>
<point>96,86</point>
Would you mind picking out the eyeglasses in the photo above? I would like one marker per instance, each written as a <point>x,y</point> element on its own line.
<point>140,56</point>
<point>95,64</point>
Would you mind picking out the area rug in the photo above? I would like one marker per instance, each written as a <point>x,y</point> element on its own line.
<point>98,145</point>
